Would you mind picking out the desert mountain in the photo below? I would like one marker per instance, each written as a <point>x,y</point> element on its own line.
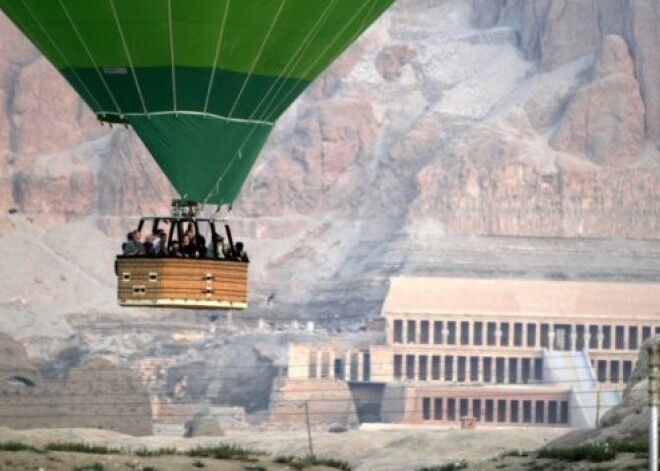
<point>487,137</point>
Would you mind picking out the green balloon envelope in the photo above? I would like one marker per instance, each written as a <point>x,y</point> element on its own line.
<point>202,82</point>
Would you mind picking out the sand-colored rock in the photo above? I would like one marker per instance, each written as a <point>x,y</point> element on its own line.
<point>626,422</point>
<point>392,59</point>
<point>202,427</point>
<point>644,40</point>
<point>605,120</point>
<point>518,199</point>
<point>47,116</point>
<point>555,32</point>
<point>13,359</point>
<point>95,395</point>
<point>321,401</point>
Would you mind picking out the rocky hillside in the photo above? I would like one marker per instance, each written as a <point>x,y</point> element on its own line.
<point>537,120</point>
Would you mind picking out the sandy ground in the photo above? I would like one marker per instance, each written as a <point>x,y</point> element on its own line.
<point>377,450</point>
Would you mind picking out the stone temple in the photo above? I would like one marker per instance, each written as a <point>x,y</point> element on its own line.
<point>490,352</point>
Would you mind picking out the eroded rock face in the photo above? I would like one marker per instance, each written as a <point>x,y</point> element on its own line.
<point>491,117</point>
<point>630,420</point>
<point>518,199</point>
<point>556,32</point>
<point>605,119</point>
<point>47,117</point>
<point>324,156</point>
<point>27,400</point>
<point>348,135</point>
<point>392,59</point>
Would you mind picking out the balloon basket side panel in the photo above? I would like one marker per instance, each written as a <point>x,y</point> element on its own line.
<point>181,283</point>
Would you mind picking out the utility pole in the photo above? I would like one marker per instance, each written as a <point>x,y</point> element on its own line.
<point>309,430</point>
<point>654,377</point>
<point>597,424</point>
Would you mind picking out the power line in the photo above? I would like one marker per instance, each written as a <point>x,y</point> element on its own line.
<point>117,369</point>
<point>319,413</point>
<point>453,388</point>
<point>295,401</point>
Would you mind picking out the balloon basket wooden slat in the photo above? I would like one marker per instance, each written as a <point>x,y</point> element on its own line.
<point>181,283</point>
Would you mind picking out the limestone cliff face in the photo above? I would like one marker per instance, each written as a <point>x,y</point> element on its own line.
<point>383,104</point>
<point>517,199</point>
<point>449,117</point>
<point>56,160</point>
<point>605,119</point>
<point>556,32</point>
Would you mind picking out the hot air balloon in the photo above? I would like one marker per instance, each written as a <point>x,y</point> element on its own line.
<point>202,83</point>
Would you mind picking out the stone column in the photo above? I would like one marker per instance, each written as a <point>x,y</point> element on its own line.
<point>481,369</point>
<point>507,376</point>
<point>441,369</point>
<point>468,369</point>
<point>537,335</point>
<point>471,336</point>
<point>331,366</point>
<point>545,412</point>
<point>524,334</point>
<point>600,336</point>
<point>587,338</point>
<point>551,337</point>
<point>404,331</point>
<point>519,376</point>
<point>574,337</point>
<point>454,368</point>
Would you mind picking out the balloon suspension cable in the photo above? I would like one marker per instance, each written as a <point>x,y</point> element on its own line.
<point>217,211</point>
<point>226,213</point>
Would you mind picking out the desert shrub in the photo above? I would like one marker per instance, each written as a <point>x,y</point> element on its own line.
<point>537,467</point>
<point>293,461</point>
<point>79,447</point>
<point>18,446</point>
<point>300,463</point>
<point>198,464</point>
<point>593,452</point>
<point>630,446</point>
<point>515,453</point>
<point>158,452</point>
<point>91,467</point>
<point>225,451</point>
<point>329,462</point>
<point>462,464</point>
